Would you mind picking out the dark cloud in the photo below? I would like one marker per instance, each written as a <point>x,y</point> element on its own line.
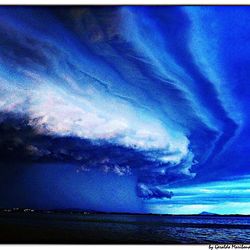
<point>23,51</point>
<point>21,142</point>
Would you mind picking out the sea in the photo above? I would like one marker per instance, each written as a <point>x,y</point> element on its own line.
<point>123,229</point>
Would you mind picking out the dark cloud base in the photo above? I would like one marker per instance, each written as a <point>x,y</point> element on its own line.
<point>20,142</point>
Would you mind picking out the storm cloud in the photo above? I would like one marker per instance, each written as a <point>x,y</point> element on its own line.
<point>134,91</point>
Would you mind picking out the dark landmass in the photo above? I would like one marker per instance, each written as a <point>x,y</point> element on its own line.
<point>82,212</point>
<point>207,213</point>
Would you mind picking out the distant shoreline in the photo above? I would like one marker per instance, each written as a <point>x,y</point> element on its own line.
<point>88,212</point>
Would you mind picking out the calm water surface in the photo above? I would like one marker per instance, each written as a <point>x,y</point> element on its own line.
<point>140,228</point>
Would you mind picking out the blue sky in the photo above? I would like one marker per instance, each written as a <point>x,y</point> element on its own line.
<point>144,107</point>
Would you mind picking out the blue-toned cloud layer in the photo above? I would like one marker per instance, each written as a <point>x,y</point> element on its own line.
<point>157,96</point>
<point>230,196</point>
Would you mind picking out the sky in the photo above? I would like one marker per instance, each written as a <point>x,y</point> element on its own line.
<point>125,108</point>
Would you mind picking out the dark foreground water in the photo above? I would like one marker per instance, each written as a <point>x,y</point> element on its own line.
<point>113,228</point>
